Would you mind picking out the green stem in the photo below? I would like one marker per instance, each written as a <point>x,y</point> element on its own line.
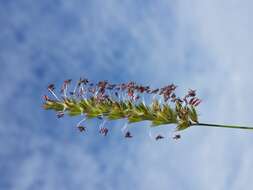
<point>223,126</point>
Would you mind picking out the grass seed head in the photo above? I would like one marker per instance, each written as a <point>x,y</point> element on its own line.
<point>124,101</point>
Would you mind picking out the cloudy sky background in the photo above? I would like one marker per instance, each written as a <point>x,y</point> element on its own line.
<point>205,45</point>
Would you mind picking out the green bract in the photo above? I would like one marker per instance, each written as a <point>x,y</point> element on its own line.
<point>158,114</point>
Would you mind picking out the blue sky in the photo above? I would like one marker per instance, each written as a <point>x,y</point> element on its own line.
<point>205,45</point>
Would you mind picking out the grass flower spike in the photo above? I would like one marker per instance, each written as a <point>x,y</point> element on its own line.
<point>106,101</point>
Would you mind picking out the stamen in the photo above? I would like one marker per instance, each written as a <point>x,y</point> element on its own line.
<point>81,91</point>
<point>60,114</point>
<point>52,92</point>
<point>103,131</point>
<point>158,137</point>
<point>124,128</point>
<point>103,123</point>
<point>153,97</point>
<point>150,134</point>
<point>79,123</point>
<point>74,91</point>
<point>128,135</point>
<point>81,128</point>
<point>177,136</point>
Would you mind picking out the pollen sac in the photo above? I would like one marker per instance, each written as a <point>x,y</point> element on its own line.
<point>51,87</point>
<point>103,131</point>
<point>81,128</point>
<point>128,135</point>
<point>60,114</point>
<point>191,93</point>
<point>158,137</point>
<point>176,137</point>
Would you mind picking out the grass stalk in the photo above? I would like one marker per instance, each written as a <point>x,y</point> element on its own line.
<point>222,126</point>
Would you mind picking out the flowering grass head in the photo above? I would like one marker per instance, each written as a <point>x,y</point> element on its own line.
<point>107,101</point>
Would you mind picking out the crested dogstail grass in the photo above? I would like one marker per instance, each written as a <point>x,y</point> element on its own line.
<point>106,101</point>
